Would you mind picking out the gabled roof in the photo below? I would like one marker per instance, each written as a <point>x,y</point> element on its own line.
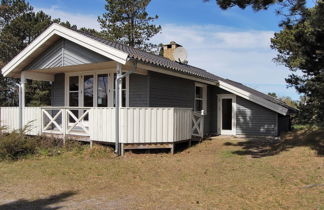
<point>157,60</point>
<point>161,61</point>
<point>121,53</point>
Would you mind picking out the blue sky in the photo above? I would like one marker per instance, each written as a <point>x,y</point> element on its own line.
<point>233,43</point>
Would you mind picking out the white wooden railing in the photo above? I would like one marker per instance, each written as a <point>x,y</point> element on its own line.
<point>137,125</point>
<point>142,125</point>
<point>66,120</point>
<point>9,118</point>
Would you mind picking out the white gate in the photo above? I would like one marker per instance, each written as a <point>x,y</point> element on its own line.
<point>197,124</point>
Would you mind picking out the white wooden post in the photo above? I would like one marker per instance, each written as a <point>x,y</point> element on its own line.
<point>64,124</point>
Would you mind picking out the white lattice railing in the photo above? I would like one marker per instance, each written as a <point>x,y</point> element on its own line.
<point>67,120</point>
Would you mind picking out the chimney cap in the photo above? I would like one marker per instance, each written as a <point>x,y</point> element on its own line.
<point>173,43</point>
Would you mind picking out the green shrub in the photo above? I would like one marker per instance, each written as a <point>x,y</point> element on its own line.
<point>16,145</point>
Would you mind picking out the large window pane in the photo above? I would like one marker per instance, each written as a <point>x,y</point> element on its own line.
<point>74,83</point>
<point>74,99</point>
<point>88,91</point>
<point>74,91</point>
<point>102,90</point>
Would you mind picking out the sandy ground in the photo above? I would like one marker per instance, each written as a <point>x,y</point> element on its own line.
<point>222,173</point>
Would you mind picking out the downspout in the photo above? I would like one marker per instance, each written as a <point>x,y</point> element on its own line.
<point>20,107</point>
<point>21,99</point>
<point>119,77</point>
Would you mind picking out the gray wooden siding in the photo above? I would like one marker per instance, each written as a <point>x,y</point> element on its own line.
<point>210,111</point>
<point>57,94</point>
<point>170,91</point>
<point>138,90</point>
<point>254,120</point>
<point>158,90</point>
<point>65,53</point>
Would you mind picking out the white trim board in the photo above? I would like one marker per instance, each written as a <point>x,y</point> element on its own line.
<point>38,76</point>
<point>258,100</point>
<point>203,99</point>
<point>73,36</point>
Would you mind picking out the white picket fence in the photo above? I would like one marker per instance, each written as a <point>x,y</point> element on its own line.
<point>137,125</point>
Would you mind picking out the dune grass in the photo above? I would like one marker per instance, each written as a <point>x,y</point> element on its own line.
<point>222,173</point>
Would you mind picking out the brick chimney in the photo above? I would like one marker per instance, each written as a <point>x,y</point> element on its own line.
<point>168,50</point>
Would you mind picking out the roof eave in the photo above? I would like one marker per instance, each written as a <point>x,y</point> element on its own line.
<point>258,100</point>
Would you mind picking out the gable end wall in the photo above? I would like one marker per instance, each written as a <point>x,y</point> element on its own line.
<point>65,53</point>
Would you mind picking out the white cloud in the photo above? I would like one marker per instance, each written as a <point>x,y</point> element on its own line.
<point>81,20</point>
<point>241,55</point>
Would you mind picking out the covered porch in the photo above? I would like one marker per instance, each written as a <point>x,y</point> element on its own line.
<point>92,98</point>
<point>88,110</point>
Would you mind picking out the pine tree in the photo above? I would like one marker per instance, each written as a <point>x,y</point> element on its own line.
<point>128,22</point>
<point>9,10</point>
<point>300,47</point>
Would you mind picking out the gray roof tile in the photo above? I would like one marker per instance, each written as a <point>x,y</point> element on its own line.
<point>161,61</point>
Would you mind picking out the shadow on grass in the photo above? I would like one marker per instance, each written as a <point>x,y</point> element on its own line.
<point>258,147</point>
<point>39,204</point>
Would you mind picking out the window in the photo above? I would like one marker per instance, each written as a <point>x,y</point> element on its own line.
<point>200,98</point>
<point>88,91</point>
<point>102,91</point>
<point>94,90</point>
<point>124,98</point>
<point>74,91</point>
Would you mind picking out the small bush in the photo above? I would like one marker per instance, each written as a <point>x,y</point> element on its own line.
<point>16,145</point>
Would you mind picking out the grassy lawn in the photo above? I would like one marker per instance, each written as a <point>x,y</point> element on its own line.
<point>222,173</point>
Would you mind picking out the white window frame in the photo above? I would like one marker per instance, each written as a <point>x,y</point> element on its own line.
<point>95,74</point>
<point>203,99</point>
<point>121,91</point>
<point>220,131</point>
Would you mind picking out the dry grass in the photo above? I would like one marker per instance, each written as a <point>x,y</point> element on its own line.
<point>216,174</point>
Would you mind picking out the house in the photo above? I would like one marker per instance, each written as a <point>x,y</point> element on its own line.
<point>108,92</point>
